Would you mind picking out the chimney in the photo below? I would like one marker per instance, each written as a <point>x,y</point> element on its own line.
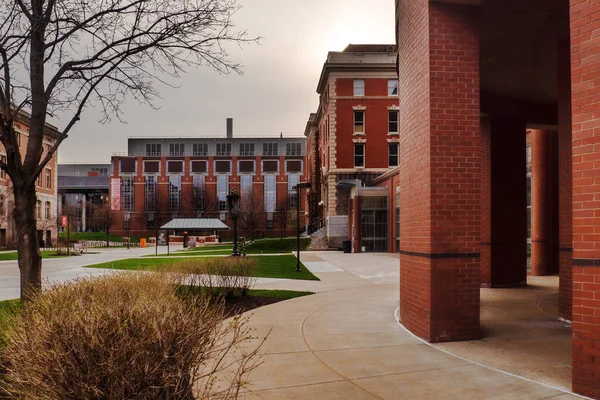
<point>229,128</point>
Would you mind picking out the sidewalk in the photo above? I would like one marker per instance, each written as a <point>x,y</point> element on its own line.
<point>345,343</point>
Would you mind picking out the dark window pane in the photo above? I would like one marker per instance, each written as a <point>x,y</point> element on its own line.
<point>128,165</point>
<point>294,166</point>
<point>246,166</point>
<point>151,166</point>
<point>269,166</point>
<point>175,166</point>
<point>199,166</point>
<point>222,166</point>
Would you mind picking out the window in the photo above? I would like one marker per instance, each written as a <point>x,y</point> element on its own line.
<point>127,193</point>
<point>151,167</point>
<point>392,121</point>
<point>38,181</point>
<point>175,167</point>
<point>293,166</point>
<point>128,165</point>
<point>270,193</point>
<point>2,205</point>
<point>150,221</point>
<point>153,149</point>
<point>293,149</point>
<point>293,180</point>
<point>359,87</point>
<point>222,167</point>
<point>174,193</point>
<point>392,87</point>
<point>393,154</point>
<point>38,209</point>
<point>176,149</point>
<point>359,155</point>
<point>222,192</point>
<point>270,149</point>
<point>246,149</point>
<point>198,194</point>
<point>246,167</point>
<point>200,149</point>
<point>223,149</point>
<point>101,171</point>
<point>48,148</point>
<point>47,211</point>
<point>198,167</point>
<point>246,185</point>
<point>48,178</point>
<point>150,191</point>
<point>359,122</point>
<point>270,166</point>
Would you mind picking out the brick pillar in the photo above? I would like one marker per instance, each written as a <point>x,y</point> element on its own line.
<point>565,178</point>
<point>586,194</point>
<point>440,198</point>
<point>356,224</point>
<point>541,202</point>
<point>504,222</point>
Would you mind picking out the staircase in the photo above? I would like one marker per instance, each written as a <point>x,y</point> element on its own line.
<point>318,240</point>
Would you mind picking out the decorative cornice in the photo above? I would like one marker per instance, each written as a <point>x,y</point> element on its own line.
<point>359,108</point>
<point>394,108</point>
<point>359,140</point>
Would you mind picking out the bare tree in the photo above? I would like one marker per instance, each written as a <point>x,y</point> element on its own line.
<point>106,217</point>
<point>251,211</point>
<point>6,206</point>
<point>74,53</point>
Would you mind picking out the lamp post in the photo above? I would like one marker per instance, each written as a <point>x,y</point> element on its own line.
<point>233,203</point>
<point>299,187</point>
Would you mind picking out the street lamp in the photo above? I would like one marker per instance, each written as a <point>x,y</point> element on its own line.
<point>233,203</point>
<point>299,187</point>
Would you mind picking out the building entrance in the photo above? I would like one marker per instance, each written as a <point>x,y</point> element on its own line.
<point>373,223</point>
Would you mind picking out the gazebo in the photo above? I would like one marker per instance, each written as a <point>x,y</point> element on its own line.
<point>193,226</point>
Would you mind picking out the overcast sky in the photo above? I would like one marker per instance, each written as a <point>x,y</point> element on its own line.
<point>275,94</point>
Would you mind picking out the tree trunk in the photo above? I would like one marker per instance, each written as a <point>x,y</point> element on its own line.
<point>30,258</point>
<point>108,236</point>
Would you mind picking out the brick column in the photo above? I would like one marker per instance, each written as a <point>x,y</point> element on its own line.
<point>504,222</point>
<point>565,178</point>
<point>586,194</point>
<point>541,222</point>
<point>440,198</point>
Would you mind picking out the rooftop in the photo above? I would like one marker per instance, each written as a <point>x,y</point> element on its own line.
<point>195,224</point>
<point>370,48</point>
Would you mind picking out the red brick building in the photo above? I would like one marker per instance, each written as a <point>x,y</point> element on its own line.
<point>45,187</point>
<point>475,76</point>
<point>353,137</point>
<point>164,178</point>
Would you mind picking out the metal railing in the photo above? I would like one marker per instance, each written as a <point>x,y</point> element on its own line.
<point>315,226</point>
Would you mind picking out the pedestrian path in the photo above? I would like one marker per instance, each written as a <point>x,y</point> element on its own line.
<point>345,343</point>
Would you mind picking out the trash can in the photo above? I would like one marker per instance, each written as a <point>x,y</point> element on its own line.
<point>143,242</point>
<point>347,246</point>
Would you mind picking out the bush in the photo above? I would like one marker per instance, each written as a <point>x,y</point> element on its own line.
<point>219,276</point>
<point>124,336</point>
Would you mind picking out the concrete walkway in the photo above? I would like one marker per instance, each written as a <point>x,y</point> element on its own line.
<point>345,343</point>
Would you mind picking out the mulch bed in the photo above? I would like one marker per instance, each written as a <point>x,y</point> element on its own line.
<point>238,305</point>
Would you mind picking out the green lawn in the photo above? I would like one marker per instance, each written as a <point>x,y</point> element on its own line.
<point>261,246</point>
<point>267,267</point>
<point>8,256</point>
<point>95,236</point>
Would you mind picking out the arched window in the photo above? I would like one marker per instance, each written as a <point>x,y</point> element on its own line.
<point>47,211</point>
<point>38,209</point>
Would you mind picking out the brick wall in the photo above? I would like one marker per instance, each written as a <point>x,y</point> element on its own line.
<point>585,88</point>
<point>440,167</point>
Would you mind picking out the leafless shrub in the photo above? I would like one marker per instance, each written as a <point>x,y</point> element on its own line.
<point>219,276</point>
<point>124,336</point>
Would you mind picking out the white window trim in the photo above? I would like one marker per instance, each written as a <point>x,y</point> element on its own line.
<point>364,155</point>
<point>301,167</point>
<point>152,173</point>
<point>198,173</point>
<point>221,173</point>
<point>176,173</point>
<point>364,122</point>
<point>269,173</point>
<point>397,122</point>
<point>354,87</point>
<point>246,173</point>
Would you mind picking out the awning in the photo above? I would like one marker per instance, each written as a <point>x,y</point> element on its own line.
<point>195,224</point>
